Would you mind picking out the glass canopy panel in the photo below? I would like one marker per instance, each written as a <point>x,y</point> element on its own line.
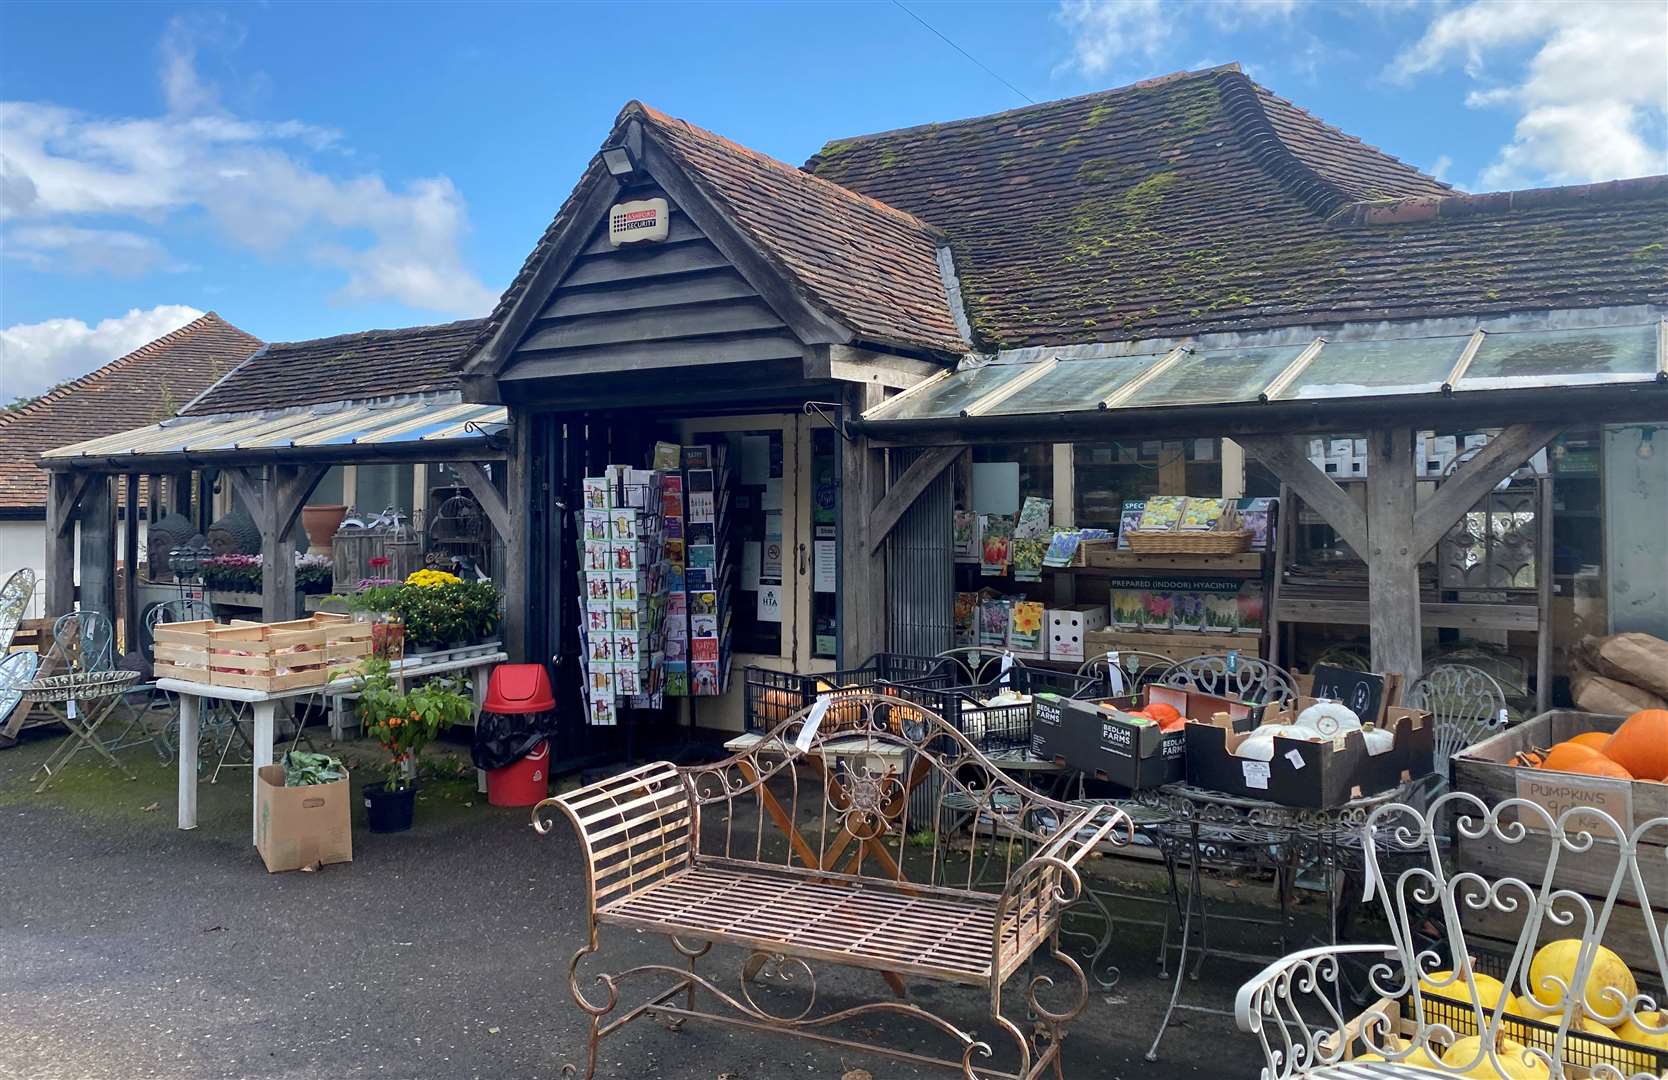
<point>1076,385</point>
<point>1367,368</point>
<point>1219,375</point>
<point>957,392</point>
<point>1563,358</point>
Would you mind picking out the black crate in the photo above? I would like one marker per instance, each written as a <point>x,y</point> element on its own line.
<point>1000,727</point>
<point>1580,1049</point>
<point>775,696</point>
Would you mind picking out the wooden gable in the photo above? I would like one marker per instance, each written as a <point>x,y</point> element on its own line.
<point>673,303</point>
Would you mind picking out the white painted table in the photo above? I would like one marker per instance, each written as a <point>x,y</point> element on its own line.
<point>265,707</point>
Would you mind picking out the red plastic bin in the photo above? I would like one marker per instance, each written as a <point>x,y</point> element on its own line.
<point>525,782</point>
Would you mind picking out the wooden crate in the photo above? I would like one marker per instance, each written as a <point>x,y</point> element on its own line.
<point>181,650</point>
<point>347,642</point>
<point>1177,646</point>
<point>268,656</point>
<point>1484,770</point>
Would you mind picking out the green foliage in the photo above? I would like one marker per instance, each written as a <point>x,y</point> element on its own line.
<point>303,768</point>
<point>442,614</point>
<point>404,723</point>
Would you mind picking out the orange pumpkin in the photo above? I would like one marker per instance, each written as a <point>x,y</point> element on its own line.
<point>1599,765</point>
<point>1567,755</point>
<point>1168,716</point>
<point>1592,740</point>
<point>1640,745</point>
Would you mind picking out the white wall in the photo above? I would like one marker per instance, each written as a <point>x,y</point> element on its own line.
<point>23,544</point>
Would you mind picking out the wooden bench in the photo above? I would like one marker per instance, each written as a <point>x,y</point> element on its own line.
<point>808,867</point>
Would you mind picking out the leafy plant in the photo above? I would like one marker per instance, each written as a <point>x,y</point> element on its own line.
<point>303,769</point>
<point>404,723</point>
<point>447,612</point>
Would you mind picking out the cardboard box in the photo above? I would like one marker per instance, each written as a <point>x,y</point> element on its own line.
<point>1093,736</point>
<point>1069,626</point>
<point>1311,774</point>
<point>301,826</point>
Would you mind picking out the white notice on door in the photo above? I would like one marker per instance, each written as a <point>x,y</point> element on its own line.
<point>770,602</point>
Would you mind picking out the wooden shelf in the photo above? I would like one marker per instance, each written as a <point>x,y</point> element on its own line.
<point>1448,616</point>
<point>1125,562</point>
<point>1176,645</point>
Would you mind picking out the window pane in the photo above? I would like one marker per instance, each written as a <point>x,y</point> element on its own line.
<point>957,392</point>
<point>1222,375</point>
<point>1076,384</point>
<point>1562,357</point>
<point>1362,368</point>
<point>1107,474</point>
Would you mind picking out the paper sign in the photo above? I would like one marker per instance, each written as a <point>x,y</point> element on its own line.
<point>770,602</point>
<point>1007,668</point>
<point>1556,793</point>
<point>1296,758</point>
<point>1256,774</point>
<point>1114,673</point>
<point>813,721</point>
<point>824,576</point>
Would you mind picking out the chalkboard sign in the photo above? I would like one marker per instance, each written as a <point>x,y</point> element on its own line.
<point>1362,692</point>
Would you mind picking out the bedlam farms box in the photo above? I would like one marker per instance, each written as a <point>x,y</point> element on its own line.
<point>301,826</point>
<point>1101,739</point>
<point>1311,774</point>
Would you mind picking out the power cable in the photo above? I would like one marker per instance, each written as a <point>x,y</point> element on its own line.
<point>982,66</point>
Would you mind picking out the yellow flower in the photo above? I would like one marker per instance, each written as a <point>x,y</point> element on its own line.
<point>429,579</point>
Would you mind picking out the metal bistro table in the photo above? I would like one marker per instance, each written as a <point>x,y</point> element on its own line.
<point>1213,827</point>
<point>265,706</point>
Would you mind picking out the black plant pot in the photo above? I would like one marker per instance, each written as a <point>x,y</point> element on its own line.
<point>390,810</point>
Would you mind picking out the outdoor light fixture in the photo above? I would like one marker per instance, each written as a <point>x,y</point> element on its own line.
<point>618,160</point>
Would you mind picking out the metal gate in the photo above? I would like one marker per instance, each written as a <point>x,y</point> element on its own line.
<point>920,572</point>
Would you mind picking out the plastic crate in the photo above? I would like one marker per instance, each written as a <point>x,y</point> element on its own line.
<point>774,696</point>
<point>1581,1050</point>
<point>1000,727</point>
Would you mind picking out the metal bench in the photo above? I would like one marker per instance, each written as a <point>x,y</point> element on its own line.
<point>801,870</point>
<point>1452,918</point>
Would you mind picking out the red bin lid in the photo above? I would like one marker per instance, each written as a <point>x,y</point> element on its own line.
<point>519,688</point>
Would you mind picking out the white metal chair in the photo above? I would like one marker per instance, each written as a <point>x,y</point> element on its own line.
<point>1466,705</point>
<point>1232,675</point>
<point>1435,900</point>
<point>1135,668</point>
<point>14,601</point>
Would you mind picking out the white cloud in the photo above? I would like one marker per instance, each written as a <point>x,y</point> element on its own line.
<point>1591,99</point>
<point>1105,32</point>
<point>254,180</point>
<point>116,252</point>
<point>1439,168</point>
<point>35,356</point>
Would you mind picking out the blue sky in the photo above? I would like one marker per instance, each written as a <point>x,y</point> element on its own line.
<point>309,169</point>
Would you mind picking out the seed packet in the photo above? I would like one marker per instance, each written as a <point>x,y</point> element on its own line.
<point>964,536</point>
<point>1162,513</point>
<point>1129,519</point>
<point>996,533</point>
<point>1034,518</point>
<point>1027,558</point>
<point>993,621</point>
<point>1025,626</point>
<point>1203,515</point>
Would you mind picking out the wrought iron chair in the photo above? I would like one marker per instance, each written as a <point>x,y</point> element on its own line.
<point>980,662</point>
<point>1466,705</point>
<point>1428,985</point>
<point>82,641</point>
<point>14,601</point>
<point>154,711</point>
<point>1136,668</point>
<point>17,671</point>
<point>1231,675</point>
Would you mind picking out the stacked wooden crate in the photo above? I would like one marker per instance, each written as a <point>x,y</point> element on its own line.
<point>268,657</point>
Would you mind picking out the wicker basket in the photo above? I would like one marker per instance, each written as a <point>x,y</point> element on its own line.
<point>1147,542</point>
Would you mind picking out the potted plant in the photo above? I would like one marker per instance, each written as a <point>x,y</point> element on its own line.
<point>312,573</point>
<point>403,723</point>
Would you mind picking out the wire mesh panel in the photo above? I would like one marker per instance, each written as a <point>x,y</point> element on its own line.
<point>920,578</point>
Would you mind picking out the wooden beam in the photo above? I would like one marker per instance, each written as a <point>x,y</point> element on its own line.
<point>862,595</point>
<point>69,501</point>
<point>902,495</point>
<point>130,564</point>
<point>1476,478</point>
<point>521,488</point>
<point>97,590</point>
<point>60,541</point>
<point>480,485</point>
<point>1392,562</point>
<point>849,363</point>
<point>249,482</point>
<point>287,490</point>
<point>1286,457</point>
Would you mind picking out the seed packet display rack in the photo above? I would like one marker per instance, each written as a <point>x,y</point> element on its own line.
<point>624,581</point>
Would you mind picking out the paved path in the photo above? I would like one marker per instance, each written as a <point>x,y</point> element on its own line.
<point>440,953</point>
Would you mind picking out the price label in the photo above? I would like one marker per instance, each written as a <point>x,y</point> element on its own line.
<point>1007,668</point>
<point>813,721</point>
<point>1296,758</point>
<point>1256,774</point>
<point>1114,673</point>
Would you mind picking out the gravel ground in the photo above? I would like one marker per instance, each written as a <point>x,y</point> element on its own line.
<point>130,950</point>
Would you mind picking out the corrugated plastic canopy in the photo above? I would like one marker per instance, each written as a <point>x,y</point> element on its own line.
<point>1456,365</point>
<point>383,424</point>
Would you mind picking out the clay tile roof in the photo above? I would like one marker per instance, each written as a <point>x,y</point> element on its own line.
<point>1201,202</point>
<point>872,267</point>
<point>349,367</point>
<point>149,384</point>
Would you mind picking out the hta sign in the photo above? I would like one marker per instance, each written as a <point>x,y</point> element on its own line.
<point>633,222</point>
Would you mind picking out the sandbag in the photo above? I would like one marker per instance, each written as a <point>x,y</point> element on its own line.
<point>1634,658</point>
<point>1597,694</point>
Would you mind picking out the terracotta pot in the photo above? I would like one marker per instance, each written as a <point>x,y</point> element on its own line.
<point>321,523</point>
